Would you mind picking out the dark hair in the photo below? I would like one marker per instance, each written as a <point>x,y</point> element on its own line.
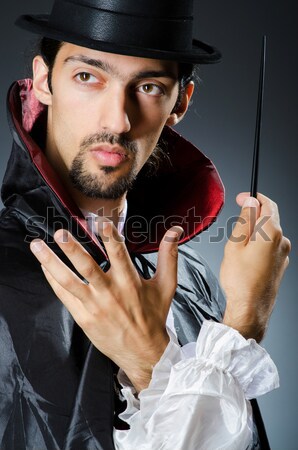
<point>48,49</point>
<point>186,74</point>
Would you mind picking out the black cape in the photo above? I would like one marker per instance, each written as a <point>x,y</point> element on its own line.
<point>58,391</point>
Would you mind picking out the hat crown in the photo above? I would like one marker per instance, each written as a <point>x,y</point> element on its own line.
<point>161,29</point>
<point>145,8</point>
<point>125,22</point>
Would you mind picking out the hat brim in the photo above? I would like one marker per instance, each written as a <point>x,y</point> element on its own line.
<point>201,53</point>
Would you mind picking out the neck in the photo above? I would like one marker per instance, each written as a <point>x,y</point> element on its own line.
<point>110,209</point>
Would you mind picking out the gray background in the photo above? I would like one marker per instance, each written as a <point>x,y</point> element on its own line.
<point>221,122</point>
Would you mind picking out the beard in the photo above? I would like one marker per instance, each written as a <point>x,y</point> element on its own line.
<point>96,186</point>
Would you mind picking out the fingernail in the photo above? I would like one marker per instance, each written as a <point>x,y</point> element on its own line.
<point>250,202</point>
<point>173,235</point>
<point>62,236</point>
<point>37,246</point>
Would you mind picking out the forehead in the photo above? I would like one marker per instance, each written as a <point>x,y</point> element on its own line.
<point>120,65</point>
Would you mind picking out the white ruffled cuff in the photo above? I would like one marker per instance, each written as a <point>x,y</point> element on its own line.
<point>249,363</point>
<point>218,348</point>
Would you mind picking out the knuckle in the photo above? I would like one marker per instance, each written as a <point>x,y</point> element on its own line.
<point>273,204</point>
<point>174,252</point>
<point>90,319</point>
<point>237,237</point>
<point>59,291</point>
<point>67,282</point>
<point>119,252</point>
<point>89,271</point>
<point>85,323</point>
<point>277,235</point>
<point>129,284</point>
<point>243,219</point>
<point>286,245</point>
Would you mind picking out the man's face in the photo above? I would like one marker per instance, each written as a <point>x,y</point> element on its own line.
<point>105,116</point>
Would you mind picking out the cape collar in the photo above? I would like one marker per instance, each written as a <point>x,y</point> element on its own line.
<point>187,191</point>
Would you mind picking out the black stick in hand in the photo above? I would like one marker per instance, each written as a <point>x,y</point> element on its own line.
<point>255,166</point>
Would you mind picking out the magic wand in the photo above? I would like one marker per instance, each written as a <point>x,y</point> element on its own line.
<point>255,165</point>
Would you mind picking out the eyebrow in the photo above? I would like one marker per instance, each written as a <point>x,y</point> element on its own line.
<point>111,70</point>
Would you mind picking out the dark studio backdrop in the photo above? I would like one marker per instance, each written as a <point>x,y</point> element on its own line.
<point>221,122</point>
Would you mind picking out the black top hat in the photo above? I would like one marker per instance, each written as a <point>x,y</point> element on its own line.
<point>161,29</point>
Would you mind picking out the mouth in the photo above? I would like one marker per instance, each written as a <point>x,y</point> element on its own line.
<point>111,156</point>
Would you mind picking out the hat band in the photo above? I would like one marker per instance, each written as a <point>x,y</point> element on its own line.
<point>112,27</point>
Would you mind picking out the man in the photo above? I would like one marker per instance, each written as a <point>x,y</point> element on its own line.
<point>103,95</point>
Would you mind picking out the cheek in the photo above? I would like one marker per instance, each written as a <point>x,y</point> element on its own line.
<point>152,116</point>
<point>147,130</point>
<point>147,143</point>
<point>71,122</point>
<point>68,111</point>
<point>153,131</point>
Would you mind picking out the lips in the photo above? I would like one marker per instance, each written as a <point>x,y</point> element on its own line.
<point>109,156</point>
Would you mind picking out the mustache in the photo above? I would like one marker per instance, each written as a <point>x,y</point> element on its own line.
<point>109,138</point>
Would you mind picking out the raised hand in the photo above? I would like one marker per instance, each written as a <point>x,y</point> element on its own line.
<point>122,314</point>
<point>255,259</point>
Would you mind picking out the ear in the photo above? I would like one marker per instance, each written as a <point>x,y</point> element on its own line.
<point>40,81</point>
<point>179,113</point>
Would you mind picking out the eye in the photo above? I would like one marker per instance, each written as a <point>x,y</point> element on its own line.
<point>150,89</point>
<point>85,77</point>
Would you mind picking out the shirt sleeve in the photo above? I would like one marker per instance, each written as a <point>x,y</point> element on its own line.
<point>198,402</point>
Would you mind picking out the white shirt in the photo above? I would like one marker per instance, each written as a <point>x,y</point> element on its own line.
<point>198,397</point>
<point>198,401</point>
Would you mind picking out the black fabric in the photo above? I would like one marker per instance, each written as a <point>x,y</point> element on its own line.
<point>125,27</point>
<point>259,425</point>
<point>57,391</point>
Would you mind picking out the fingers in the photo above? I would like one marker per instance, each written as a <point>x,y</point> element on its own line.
<point>87,314</point>
<point>286,245</point>
<point>269,227</point>
<point>248,217</point>
<point>121,263</point>
<point>122,271</point>
<point>166,272</point>
<point>267,206</point>
<point>57,269</point>
<point>261,224</point>
<point>74,306</point>
<point>79,257</point>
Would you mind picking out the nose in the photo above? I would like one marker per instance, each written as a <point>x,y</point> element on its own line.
<point>114,111</point>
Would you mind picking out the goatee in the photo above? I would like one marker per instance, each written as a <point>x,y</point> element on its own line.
<point>91,185</point>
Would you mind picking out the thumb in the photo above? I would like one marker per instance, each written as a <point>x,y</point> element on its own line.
<point>246,222</point>
<point>167,262</point>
